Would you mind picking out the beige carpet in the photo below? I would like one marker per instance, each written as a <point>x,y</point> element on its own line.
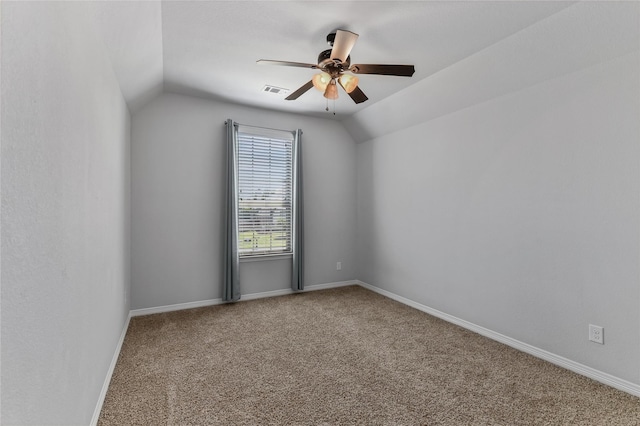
<point>340,356</point>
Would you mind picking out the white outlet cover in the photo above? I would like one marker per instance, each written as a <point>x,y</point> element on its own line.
<point>596,334</point>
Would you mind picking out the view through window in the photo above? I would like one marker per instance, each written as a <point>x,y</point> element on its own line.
<point>264,194</point>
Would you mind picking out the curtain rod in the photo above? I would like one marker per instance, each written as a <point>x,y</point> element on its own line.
<point>235,123</point>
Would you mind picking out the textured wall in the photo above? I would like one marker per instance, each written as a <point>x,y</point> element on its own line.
<point>65,214</point>
<point>178,175</point>
<point>521,215</point>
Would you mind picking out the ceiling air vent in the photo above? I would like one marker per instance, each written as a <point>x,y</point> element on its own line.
<point>275,90</point>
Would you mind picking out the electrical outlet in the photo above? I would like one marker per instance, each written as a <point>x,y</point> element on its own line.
<point>596,334</point>
<point>339,266</point>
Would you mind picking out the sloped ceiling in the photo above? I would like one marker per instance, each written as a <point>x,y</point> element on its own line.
<point>580,36</point>
<point>209,49</point>
<point>132,35</point>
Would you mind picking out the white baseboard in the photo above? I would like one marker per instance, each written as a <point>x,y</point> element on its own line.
<point>283,292</point>
<point>107,379</point>
<point>176,307</point>
<point>245,297</point>
<point>576,367</point>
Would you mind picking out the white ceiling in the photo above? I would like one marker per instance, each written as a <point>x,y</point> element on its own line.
<point>210,49</point>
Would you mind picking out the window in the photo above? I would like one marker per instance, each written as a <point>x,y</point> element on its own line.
<point>265,193</point>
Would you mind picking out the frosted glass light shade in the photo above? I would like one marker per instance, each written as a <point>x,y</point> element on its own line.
<point>348,82</point>
<point>332,90</point>
<point>320,81</point>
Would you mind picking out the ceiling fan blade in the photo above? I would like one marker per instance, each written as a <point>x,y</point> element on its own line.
<point>358,95</point>
<point>286,64</point>
<point>342,45</point>
<point>397,70</point>
<point>295,95</point>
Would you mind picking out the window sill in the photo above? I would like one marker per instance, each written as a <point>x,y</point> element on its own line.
<point>261,258</point>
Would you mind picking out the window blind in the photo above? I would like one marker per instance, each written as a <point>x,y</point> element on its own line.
<point>264,195</point>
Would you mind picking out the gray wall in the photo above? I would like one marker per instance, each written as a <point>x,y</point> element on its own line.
<point>178,178</point>
<point>65,214</point>
<point>520,214</point>
<point>502,190</point>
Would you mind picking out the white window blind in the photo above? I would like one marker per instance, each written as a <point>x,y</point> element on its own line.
<point>264,194</point>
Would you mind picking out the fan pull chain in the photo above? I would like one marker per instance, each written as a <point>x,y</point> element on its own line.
<point>334,106</point>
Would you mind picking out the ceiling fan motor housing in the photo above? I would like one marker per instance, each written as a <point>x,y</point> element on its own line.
<point>327,64</point>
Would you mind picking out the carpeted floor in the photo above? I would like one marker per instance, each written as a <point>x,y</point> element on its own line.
<point>340,356</point>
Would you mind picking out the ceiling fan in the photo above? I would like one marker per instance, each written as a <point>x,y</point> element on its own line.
<point>334,63</point>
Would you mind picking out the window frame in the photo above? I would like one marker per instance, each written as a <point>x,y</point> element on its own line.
<point>261,136</point>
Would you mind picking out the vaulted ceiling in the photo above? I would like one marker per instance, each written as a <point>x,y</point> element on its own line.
<point>209,49</point>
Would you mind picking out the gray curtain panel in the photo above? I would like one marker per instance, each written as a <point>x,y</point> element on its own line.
<point>297,277</point>
<point>231,285</point>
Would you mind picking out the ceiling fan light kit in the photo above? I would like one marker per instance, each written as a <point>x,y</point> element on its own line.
<point>348,82</point>
<point>332,90</point>
<point>320,81</point>
<point>334,63</point>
